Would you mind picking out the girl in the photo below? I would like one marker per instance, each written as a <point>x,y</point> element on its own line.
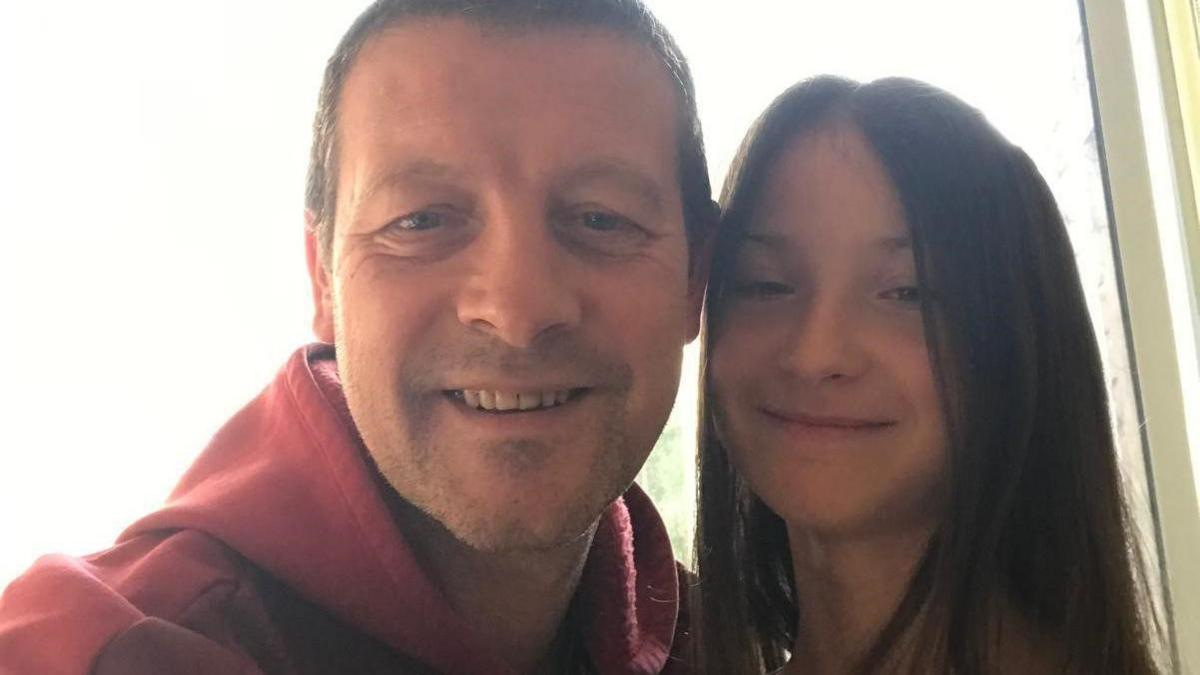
<point>906,459</point>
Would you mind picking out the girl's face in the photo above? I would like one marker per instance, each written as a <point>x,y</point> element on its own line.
<point>824,391</point>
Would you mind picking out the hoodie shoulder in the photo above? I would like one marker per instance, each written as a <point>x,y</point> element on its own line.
<point>60,614</point>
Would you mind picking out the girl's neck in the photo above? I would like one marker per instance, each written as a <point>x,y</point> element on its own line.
<point>848,587</point>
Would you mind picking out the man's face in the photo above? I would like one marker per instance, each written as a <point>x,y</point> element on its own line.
<point>508,286</point>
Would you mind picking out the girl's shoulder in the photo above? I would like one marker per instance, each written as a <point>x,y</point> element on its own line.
<point>1019,647</point>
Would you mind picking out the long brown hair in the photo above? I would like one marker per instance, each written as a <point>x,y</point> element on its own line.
<point>1035,520</point>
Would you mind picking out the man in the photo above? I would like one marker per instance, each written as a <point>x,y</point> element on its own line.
<point>507,213</point>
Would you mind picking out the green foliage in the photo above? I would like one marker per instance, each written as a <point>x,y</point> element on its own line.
<point>669,478</point>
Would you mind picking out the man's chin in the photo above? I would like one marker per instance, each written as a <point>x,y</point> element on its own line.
<point>511,496</point>
<point>517,536</point>
<point>523,518</point>
<point>493,525</point>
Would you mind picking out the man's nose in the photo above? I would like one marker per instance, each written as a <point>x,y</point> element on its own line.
<point>824,344</point>
<point>519,285</point>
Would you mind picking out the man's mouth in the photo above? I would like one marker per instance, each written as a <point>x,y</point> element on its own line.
<point>494,401</point>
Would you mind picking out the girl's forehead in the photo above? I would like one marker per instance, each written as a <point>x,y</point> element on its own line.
<point>829,186</point>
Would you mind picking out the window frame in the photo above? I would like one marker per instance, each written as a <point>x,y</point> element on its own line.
<point>1145,234</point>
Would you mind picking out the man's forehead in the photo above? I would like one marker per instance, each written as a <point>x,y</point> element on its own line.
<point>432,85</point>
<point>445,51</point>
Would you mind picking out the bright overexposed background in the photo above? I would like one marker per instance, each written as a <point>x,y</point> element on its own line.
<point>152,165</point>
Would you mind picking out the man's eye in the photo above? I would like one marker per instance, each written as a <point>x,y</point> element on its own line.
<point>910,295</point>
<point>760,290</point>
<point>600,232</point>
<point>418,221</point>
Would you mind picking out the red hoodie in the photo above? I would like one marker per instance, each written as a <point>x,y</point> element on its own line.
<point>276,553</point>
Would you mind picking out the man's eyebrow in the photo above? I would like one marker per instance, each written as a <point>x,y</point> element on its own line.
<point>619,172</point>
<point>418,170</point>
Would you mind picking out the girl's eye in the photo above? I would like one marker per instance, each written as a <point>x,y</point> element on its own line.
<point>760,290</point>
<point>907,294</point>
<point>601,221</point>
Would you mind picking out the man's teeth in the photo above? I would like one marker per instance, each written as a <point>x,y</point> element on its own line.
<point>503,401</point>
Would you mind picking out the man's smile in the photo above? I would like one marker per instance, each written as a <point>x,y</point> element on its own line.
<point>502,401</point>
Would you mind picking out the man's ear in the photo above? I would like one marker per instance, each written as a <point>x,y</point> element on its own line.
<point>700,253</point>
<point>322,287</point>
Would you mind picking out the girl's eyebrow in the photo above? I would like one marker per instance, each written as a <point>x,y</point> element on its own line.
<point>890,243</point>
<point>897,243</point>
<point>764,238</point>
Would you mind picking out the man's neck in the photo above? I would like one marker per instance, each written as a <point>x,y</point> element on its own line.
<point>514,601</point>
<point>848,588</point>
